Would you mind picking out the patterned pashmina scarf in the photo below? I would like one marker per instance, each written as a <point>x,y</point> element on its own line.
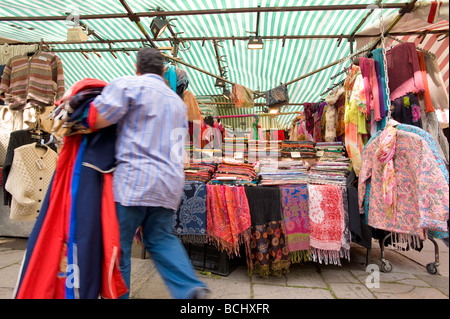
<point>294,206</point>
<point>189,222</point>
<point>385,154</point>
<point>269,252</point>
<point>327,223</point>
<point>228,218</point>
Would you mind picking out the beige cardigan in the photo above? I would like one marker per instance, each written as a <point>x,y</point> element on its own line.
<point>31,173</point>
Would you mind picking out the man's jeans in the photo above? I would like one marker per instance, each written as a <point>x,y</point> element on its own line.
<point>166,250</point>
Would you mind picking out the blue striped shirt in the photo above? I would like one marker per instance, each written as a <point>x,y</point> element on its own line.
<point>151,129</point>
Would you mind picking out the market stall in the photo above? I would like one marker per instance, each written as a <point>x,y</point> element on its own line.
<point>314,133</point>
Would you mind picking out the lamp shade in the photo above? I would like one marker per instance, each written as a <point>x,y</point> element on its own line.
<point>158,26</point>
<point>255,43</point>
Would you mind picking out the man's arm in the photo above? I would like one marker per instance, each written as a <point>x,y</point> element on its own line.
<point>101,122</point>
<point>111,105</point>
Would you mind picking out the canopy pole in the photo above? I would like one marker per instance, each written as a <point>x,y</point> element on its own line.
<point>208,12</point>
<point>133,17</point>
<point>196,68</point>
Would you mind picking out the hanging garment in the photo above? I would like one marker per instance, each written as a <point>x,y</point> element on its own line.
<point>277,96</point>
<point>17,139</point>
<point>436,85</point>
<point>28,180</point>
<point>189,223</point>
<point>182,81</point>
<point>331,114</point>
<point>294,205</point>
<point>77,223</point>
<point>242,96</point>
<point>228,218</point>
<point>406,110</point>
<point>193,110</point>
<point>421,194</point>
<point>403,70</point>
<point>327,223</point>
<point>361,234</point>
<point>45,80</point>
<point>171,76</point>
<point>426,93</point>
<point>269,252</point>
<point>6,127</point>
<point>378,56</point>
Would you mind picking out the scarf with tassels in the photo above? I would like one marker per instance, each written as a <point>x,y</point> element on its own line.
<point>385,154</point>
<point>228,218</point>
<point>294,206</point>
<point>326,223</point>
<point>269,252</point>
<point>189,222</point>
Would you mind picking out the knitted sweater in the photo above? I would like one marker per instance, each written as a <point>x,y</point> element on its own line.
<point>29,179</point>
<point>38,79</point>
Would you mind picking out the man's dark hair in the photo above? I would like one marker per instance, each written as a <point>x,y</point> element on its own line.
<point>150,60</point>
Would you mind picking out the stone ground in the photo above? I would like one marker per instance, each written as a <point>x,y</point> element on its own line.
<point>408,279</point>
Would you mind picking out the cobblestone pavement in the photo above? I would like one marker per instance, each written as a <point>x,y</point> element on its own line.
<point>408,279</point>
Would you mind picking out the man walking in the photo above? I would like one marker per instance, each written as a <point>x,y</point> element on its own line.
<point>149,175</point>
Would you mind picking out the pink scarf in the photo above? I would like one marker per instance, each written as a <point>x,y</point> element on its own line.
<point>385,154</point>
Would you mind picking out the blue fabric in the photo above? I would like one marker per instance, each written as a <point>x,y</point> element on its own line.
<point>378,56</point>
<point>171,76</point>
<point>71,245</point>
<point>167,252</point>
<point>190,219</point>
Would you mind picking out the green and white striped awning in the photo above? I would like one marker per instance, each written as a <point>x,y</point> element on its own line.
<point>280,61</point>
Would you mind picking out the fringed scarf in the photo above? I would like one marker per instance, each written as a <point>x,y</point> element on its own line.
<point>327,223</point>
<point>294,206</point>
<point>189,222</point>
<point>385,154</point>
<point>269,252</point>
<point>228,218</point>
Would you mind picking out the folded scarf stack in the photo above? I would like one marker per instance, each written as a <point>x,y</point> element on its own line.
<point>201,172</point>
<point>283,173</point>
<point>264,150</point>
<point>235,173</point>
<point>233,145</point>
<point>305,148</point>
<point>330,150</point>
<point>329,172</point>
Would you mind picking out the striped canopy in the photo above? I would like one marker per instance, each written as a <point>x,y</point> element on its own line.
<point>280,61</point>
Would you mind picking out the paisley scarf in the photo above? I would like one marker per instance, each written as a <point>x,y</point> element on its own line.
<point>294,206</point>
<point>189,222</point>
<point>228,218</point>
<point>385,154</point>
<point>269,254</point>
<point>326,223</point>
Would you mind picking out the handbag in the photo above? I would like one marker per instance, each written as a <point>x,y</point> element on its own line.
<point>277,97</point>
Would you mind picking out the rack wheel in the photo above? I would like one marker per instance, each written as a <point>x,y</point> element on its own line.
<point>432,269</point>
<point>386,266</point>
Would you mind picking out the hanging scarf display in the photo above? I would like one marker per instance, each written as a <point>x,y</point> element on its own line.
<point>189,222</point>
<point>228,218</point>
<point>269,252</point>
<point>385,154</point>
<point>294,206</point>
<point>327,224</point>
